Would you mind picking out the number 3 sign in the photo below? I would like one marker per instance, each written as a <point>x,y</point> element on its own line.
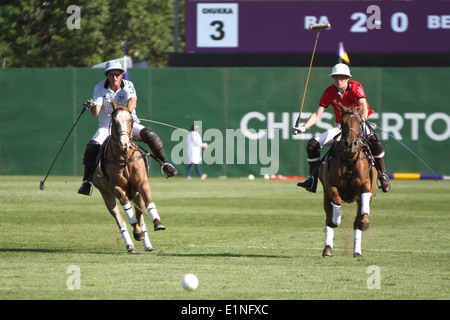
<point>217,25</point>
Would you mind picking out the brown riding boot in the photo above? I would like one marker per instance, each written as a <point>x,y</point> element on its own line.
<point>382,176</point>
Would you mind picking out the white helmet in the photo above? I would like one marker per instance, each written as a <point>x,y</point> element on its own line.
<point>113,65</point>
<point>340,69</point>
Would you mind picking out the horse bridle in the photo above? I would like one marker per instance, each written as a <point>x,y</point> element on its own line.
<point>360,135</point>
<point>122,132</point>
<point>127,159</point>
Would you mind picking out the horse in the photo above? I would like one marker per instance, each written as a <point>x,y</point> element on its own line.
<point>122,173</point>
<point>348,174</point>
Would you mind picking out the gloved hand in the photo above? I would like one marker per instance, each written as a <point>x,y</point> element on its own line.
<point>89,104</point>
<point>300,129</point>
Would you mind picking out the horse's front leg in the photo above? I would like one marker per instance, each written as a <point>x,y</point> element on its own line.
<point>140,207</point>
<point>336,203</point>
<point>120,194</point>
<point>144,191</point>
<point>110,202</point>
<point>329,228</point>
<point>361,222</point>
<point>332,206</point>
<point>363,211</point>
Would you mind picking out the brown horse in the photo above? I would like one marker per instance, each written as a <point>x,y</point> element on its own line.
<point>348,175</point>
<point>123,174</point>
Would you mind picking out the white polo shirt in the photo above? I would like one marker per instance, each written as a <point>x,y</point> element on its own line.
<point>103,94</point>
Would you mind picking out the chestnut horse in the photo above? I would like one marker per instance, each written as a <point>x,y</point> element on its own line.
<point>348,174</point>
<point>123,174</point>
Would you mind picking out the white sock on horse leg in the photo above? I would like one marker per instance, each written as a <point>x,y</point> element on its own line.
<point>129,212</point>
<point>336,214</point>
<point>365,202</point>
<point>151,209</point>
<point>146,242</point>
<point>126,237</point>
<point>329,235</point>
<point>357,241</point>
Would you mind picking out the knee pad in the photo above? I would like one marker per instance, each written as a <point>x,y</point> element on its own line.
<point>151,138</point>
<point>376,146</point>
<point>91,152</point>
<point>313,150</point>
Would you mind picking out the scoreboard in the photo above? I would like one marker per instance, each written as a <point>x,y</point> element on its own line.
<point>282,26</point>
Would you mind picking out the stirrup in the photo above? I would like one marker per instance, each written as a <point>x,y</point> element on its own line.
<point>385,182</point>
<point>310,184</point>
<point>171,170</point>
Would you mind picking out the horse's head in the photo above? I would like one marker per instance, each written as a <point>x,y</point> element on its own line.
<point>351,129</point>
<point>121,126</point>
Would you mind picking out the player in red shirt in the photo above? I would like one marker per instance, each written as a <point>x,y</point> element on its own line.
<point>349,94</point>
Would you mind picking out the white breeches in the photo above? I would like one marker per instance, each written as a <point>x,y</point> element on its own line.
<point>326,139</point>
<point>104,132</point>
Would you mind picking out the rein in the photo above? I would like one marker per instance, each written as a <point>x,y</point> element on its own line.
<point>115,137</point>
<point>361,138</point>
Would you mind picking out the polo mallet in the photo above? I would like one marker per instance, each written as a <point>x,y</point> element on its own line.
<point>317,27</point>
<point>41,186</point>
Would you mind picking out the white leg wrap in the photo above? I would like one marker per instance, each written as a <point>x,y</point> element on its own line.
<point>126,237</point>
<point>357,241</point>
<point>153,213</point>
<point>129,212</point>
<point>365,202</point>
<point>336,214</point>
<point>329,235</point>
<point>146,242</point>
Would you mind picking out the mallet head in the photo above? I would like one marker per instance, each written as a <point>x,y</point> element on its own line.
<point>319,26</point>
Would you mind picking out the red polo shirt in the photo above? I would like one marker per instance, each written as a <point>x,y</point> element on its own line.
<point>350,98</point>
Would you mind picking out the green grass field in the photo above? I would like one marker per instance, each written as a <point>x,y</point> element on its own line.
<point>245,240</point>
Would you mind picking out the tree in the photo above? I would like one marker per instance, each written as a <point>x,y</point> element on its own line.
<point>41,33</point>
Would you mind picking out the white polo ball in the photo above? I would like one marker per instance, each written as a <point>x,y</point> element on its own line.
<point>251,177</point>
<point>189,281</point>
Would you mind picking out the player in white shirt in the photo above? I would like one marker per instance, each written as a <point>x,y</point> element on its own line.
<point>124,94</point>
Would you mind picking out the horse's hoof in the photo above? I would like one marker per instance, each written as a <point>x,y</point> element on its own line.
<point>357,255</point>
<point>327,252</point>
<point>131,250</point>
<point>150,250</point>
<point>157,225</point>
<point>139,236</point>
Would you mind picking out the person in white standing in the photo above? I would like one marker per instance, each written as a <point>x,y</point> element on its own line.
<point>124,94</point>
<point>195,146</point>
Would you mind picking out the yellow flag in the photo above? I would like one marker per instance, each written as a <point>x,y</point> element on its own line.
<point>342,54</point>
